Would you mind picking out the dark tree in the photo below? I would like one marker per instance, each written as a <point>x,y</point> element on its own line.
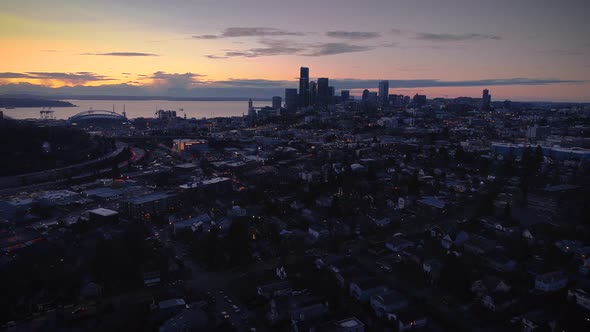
<point>238,241</point>
<point>459,153</point>
<point>115,170</point>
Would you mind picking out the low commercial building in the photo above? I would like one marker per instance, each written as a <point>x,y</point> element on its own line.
<point>190,145</point>
<point>207,188</point>
<point>58,197</point>
<point>201,222</point>
<point>148,206</point>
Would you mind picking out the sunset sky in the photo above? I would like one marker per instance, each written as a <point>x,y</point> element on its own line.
<point>520,50</point>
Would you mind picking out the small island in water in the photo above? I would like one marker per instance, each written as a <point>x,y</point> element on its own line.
<point>30,101</point>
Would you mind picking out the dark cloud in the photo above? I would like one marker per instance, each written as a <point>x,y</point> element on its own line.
<point>248,54</point>
<point>250,32</point>
<point>269,48</point>
<point>69,78</point>
<point>215,57</point>
<point>130,54</point>
<point>444,37</point>
<point>14,75</point>
<point>353,35</point>
<point>258,32</point>
<point>252,83</point>
<point>206,37</point>
<point>77,77</point>
<point>431,83</point>
<point>285,47</point>
<point>165,75</point>
<point>336,48</point>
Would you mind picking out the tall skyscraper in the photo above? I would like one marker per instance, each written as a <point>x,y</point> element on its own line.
<point>345,94</point>
<point>313,93</point>
<point>323,90</point>
<point>276,102</point>
<point>419,100</point>
<point>365,95</point>
<point>304,87</point>
<point>251,109</point>
<point>331,94</point>
<point>406,100</point>
<point>383,92</point>
<point>486,99</point>
<point>291,100</point>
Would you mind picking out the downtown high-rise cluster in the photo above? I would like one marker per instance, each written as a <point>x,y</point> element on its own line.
<point>321,94</point>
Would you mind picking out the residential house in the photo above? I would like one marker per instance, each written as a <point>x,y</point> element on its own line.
<point>362,289</point>
<point>432,268</point>
<point>318,231</point>
<point>382,222</point>
<point>172,306</point>
<point>478,245</point>
<point>568,246</point>
<point>498,261</point>
<point>376,247</point>
<point>489,284</point>
<point>274,289</point>
<point>389,302</point>
<point>431,206</point>
<point>453,237</point>
<point>537,320</point>
<point>581,296</point>
<point>497,301</point>
<point>189,319</point>
<point>151,278</point>
<point>408,320</point>
<point>551,282</point>
<point>344,277</point>
<point>351,324</point>
<point>397,244</point>
<point>297,308</point>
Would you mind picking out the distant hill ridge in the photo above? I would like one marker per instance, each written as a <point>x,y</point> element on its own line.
<point>20,101</point>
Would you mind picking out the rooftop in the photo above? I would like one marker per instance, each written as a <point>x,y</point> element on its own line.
<point>103,212</point>
<point>350,322</point>
<point>149,198</point>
